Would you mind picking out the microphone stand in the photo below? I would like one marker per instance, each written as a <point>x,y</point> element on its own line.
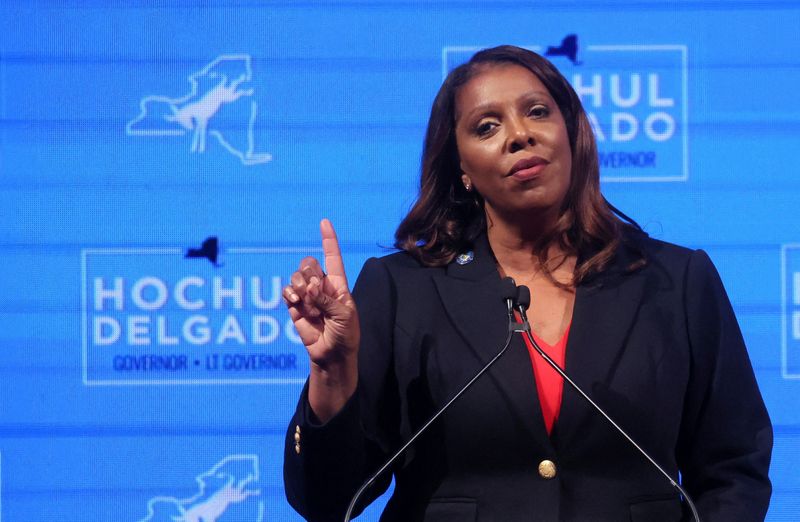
<point>523,301</point>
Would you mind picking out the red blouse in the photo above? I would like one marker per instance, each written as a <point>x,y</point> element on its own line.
<point>549,384</point>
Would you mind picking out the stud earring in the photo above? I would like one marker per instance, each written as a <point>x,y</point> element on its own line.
<point>468,186</point>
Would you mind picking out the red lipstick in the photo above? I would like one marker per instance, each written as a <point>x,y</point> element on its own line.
<point>528,168</point>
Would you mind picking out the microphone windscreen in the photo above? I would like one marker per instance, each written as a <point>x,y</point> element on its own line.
<point>523,297</point>
<point>508,288</point>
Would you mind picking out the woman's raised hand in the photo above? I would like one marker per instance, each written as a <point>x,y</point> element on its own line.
<point>325,316</point>
<point>321,306</point>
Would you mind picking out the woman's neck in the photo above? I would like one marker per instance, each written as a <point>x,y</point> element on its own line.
<point>517,247</point>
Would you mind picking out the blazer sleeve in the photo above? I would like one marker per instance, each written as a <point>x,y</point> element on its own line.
<point>325,464</point>
<point>726,437</point>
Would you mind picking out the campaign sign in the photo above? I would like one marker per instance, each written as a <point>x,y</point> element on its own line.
<point>170,316</point>
<point>790,271</point>
<point>636,98</point>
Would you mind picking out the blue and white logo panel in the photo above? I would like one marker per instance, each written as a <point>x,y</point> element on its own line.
<point>152,316</point>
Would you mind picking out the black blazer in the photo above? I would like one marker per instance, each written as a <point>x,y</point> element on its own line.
<point>659,348</point>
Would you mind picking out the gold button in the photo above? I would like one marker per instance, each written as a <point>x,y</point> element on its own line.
<point>297,429</point>
<point>297,437</point>
<point>547,469</point>
<point>297,448</point>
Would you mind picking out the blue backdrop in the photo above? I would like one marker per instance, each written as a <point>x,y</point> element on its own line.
<point>147,373</point>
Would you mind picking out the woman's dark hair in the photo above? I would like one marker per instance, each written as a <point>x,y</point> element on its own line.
<point>446,218</point>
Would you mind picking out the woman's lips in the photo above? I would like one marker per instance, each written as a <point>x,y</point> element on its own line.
<point>528,168</point>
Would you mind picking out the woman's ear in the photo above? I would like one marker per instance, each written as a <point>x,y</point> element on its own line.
<point>467,182</point>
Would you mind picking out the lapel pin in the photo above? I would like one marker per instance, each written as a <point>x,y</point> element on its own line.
<point>465,258</point>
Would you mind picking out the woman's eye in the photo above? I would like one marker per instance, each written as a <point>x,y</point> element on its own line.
<point>484,128</point>
<point>538,111</point>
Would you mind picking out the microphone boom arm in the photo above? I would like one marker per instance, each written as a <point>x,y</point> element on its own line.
<point>512,327</point>
<point>525,328</point>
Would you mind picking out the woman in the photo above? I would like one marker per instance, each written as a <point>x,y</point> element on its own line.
<point>510,187</point>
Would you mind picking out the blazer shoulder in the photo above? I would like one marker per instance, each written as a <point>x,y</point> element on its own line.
<point>400,259</point>
<point>388,276</point>
<point>657,252</point>
<point>678,267</point>
<point>399,264</point>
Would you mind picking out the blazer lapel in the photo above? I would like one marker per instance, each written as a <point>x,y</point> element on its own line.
<point>603,314</point>
<point>471,295</point>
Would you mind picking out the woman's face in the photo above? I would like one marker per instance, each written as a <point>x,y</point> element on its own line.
<point>512,142</point>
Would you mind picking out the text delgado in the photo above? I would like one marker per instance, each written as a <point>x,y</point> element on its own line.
<point>152,311</point>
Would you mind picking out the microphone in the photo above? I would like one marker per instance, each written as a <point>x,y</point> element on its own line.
<point>523,301</point>
<point>509,293</point>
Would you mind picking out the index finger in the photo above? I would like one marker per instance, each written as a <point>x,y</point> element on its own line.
<point>330,248</point>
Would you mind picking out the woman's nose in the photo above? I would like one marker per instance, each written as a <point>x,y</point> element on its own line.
<point>519,135</point>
